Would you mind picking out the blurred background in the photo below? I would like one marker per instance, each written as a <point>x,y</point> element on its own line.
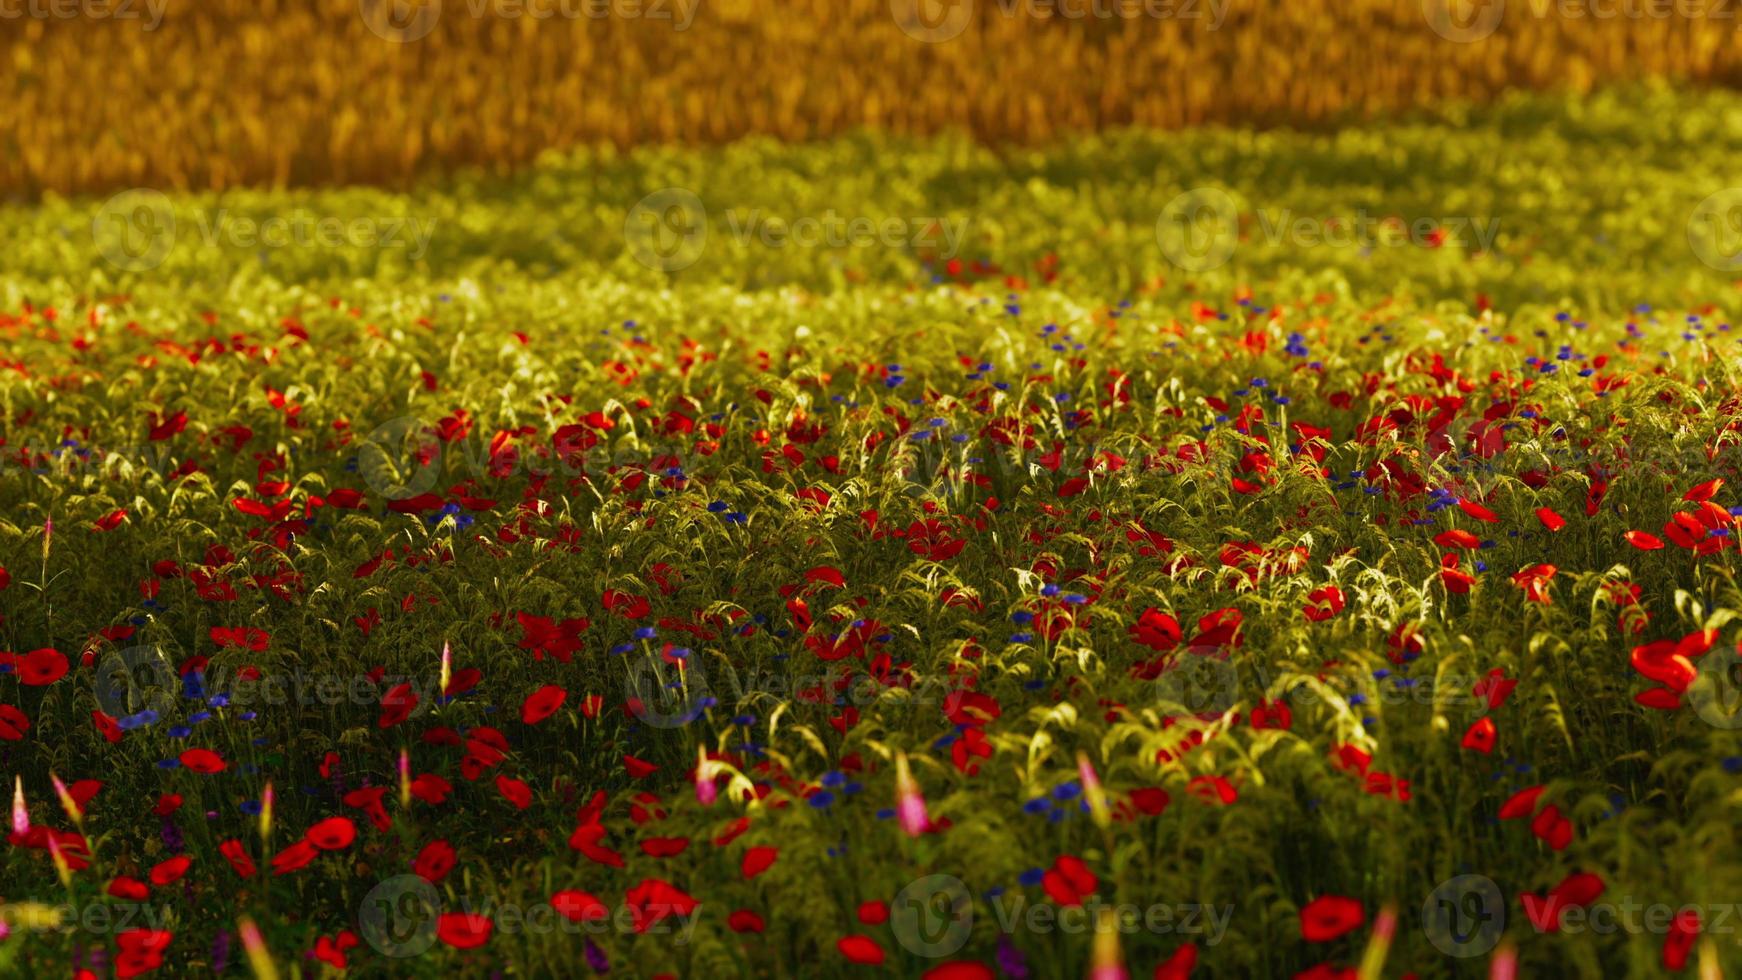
<point>214,94</point>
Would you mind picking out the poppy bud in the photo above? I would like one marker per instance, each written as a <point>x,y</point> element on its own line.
<point>258,957</point>
<point>1384,928</point>
<point>66,800</point>
<point>1092,791</point>
<point>447,668</point>
<point>706,792</point>
<point>20,816</point>
<point>1107,963</point>
<point>909,804</point>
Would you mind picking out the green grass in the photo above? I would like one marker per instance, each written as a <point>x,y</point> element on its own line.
<point>527,311</point>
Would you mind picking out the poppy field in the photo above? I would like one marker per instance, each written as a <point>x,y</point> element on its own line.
<point>1206,554</point>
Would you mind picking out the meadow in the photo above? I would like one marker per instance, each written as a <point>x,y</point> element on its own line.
<point>207,95</point>
<point>1204,553</point>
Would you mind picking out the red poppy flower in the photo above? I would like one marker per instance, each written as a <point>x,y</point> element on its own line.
<point>434,861</point>
<point>1156,630</point>
<point>42,667</point>
<point>653,900</point>
<point>1069,881</point>
<point>111,520</point>
<point>141,951</point>
<point>1481,736</point>
<point>860,949</point>
<point>1550,519</point>
<point>1213,789</point>
<point>1477,511</point>
<point>588,838</point>
<point>873,913</point>
<point>431,788</point>
<point>294,858</point>
<point>542,703</point>
<point>239,860</point>
<point>464,930</point>
<point>397,705</point>
<point>203,761</point>
<point>1179,966</point>
<point>169,872</point>
<point>514,791</point>
<point>109,727</point>
<point>129,889</point>
<point>1679,941</point>
<point>959,970</point>
<point>758,860</point>
<point>333,834</point>
<point>542,635</point>
<point>368,799</point>
<point>931,539</point>
<point>1521,803</point>
<point>332,951</point>
<point>1534,581</point>
<point>1457,538</point>
<point>579,906</point>
<point>639,768</point>
<point>744,920</point>
<point>1329,916</point>
<point>1643,541</point>
<point>661,847</point>
<point>1495,688</point>
<point>1324,603</point>
<point>13,723</point>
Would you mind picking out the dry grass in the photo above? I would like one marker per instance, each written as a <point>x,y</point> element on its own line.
<point>232,92</point>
